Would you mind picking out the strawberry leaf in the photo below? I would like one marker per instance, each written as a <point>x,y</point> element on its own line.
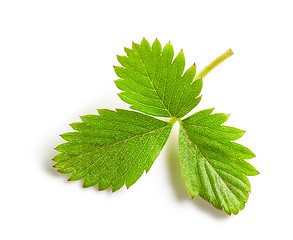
<point>213,166</point>
<point>112,149</point>
<point>152,82</point>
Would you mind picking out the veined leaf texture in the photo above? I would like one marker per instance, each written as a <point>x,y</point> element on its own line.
<point>114,148</point>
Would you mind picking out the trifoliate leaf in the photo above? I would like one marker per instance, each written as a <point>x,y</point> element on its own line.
<point>152,82</point>
<point>213,166</point>
<point>112,149</point>
<point>115,147</point>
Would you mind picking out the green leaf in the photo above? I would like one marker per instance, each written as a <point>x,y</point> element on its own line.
<point>112,149</point>
<point>213,166</point>
<point>153,83</point>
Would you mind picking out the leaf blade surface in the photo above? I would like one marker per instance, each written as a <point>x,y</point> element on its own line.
<point>213,166</point>
<point>112,149</point>
<point>153,83</point>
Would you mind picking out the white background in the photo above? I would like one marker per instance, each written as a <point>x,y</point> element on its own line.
<point>56,61</point>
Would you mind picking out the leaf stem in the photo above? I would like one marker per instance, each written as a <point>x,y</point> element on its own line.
<point>214,63</point>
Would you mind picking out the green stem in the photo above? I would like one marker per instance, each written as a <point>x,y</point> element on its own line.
<point>214,63</point>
